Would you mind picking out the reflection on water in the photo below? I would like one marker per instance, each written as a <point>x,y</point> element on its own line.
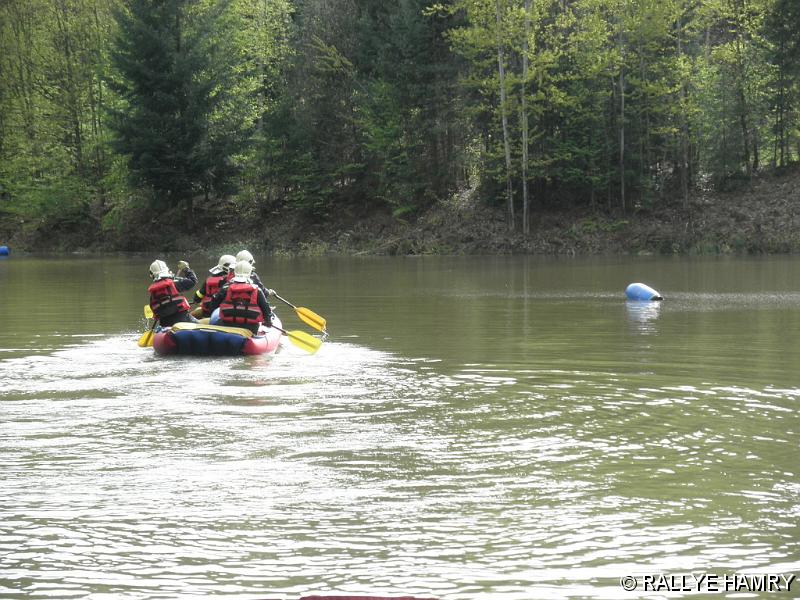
<point>542,455</point>
<point>643,315</point>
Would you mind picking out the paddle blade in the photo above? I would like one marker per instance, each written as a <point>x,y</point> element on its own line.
<point>304,341</point>
<point>148,312</point>
<point>311,318</point>
<point>146,339</point>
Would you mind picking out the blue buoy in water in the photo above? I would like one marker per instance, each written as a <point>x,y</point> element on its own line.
<point>3,250</point>
<point>640,291</point>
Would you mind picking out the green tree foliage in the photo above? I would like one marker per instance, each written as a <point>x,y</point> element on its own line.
<point>188,97</point>
<point>736,75</point>
<point>782,29</point>
<point>373,102</point>
<point>635,102</point>
<point>409,121</point>
<point>52,135</point>
<point>324,106</point>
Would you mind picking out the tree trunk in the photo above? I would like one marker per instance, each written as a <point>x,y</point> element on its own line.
<point>524,109</point>
<point>21,26</point>
<point>621,119</point>
<point>608,150</point>
<point>97,100</point>
<point>684,125</point>
<point>725,168</point>
<point>740,83</point>
<point>504,118</point>
<point>756,154</point>
<point>745,133</point>
<point>70,84</point>
<point>781,125</point>
<point>644,143</point>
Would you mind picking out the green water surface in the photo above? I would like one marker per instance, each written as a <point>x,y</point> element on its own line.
<point>475,428</point>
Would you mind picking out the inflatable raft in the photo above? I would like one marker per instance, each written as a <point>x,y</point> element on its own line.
<point>201,339</point>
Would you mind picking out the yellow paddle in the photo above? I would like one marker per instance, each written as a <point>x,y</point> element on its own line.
<point>299,338</point>
<point>302,340</point>
<point>307,316</point>
<point>147,337</point>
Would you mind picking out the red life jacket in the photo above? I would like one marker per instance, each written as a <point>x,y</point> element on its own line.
<point>165,300</point>
<point>212,286</point>
<point>240,306</point>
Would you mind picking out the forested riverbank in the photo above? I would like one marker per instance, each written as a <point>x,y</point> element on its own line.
<point>463,126</point>
<point>759,217</point>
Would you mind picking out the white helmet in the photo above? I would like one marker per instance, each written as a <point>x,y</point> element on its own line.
<point>159,270</point>
<point>245,255</point>
<point>241,272</point>
<point>225,264</point>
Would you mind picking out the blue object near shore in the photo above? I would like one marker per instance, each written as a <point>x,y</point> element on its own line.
<point>3,250</point>
<point>640,291</point>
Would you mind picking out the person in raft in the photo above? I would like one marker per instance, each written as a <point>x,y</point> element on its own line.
<point>245,255</point>
<point>169,306</point>
<point>241,303</point>
<point>219,276</point>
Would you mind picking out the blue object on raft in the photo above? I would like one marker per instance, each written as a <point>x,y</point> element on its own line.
<point>3,250</point>
<point>640,291</point>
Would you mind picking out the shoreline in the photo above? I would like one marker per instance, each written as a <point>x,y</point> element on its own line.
<point>760,217</point>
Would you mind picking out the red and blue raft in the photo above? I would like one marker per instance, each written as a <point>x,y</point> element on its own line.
<point>202,339</point>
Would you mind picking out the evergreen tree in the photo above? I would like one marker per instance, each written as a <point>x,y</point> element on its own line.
<point>188,97</point>
<point>781,28</point>
<point>410,117</point>
<point>372,104</point>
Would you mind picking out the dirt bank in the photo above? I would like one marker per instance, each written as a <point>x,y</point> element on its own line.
<point>760,216</point>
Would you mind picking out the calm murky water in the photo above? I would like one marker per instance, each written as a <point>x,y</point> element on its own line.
<point>476,428</point>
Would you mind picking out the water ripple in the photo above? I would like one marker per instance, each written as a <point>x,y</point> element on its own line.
<point>127,475</point>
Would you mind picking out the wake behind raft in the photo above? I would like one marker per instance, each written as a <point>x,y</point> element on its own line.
<point>201,339</point>
<point>642,292</point>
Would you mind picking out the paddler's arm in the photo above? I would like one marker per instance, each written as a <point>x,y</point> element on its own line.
<point>200,294</point>
<point>257,282</point>
<point>186,279</point>
<point>263,304</point>
<point>217,298</point>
